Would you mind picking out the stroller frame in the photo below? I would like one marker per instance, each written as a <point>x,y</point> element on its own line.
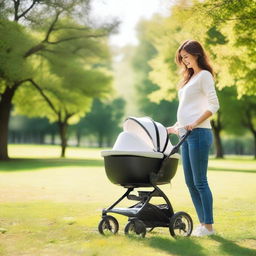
<point>136,212</point>
<point>143,216</point>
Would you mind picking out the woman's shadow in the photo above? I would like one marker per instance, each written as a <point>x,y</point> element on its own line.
<point>231,248</point>
<point>191,247</point>
<point>181,246</point>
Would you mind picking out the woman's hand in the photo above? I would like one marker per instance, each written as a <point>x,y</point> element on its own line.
<point>172,130</point>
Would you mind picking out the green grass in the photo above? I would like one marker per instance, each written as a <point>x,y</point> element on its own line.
<point>52,206</point>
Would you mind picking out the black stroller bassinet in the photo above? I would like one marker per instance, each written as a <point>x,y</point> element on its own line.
<point>143,156</point>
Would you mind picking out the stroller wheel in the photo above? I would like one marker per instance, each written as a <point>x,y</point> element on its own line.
<point>181,224</point>
<point>136,228</point>
<point>108,225</point>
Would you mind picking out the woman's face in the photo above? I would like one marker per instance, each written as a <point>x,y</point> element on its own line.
<point>189,60</point>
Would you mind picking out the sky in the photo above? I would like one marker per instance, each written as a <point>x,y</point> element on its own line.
<point>129,12</point>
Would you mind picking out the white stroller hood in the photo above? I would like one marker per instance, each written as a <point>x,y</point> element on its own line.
<point>142,137</point>
<point>127,141</point>
<point>152,133</point>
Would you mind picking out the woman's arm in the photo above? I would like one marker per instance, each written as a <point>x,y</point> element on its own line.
<point>202,118</point>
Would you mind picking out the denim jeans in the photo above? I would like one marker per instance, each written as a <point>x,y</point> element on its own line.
<point>195,152</point>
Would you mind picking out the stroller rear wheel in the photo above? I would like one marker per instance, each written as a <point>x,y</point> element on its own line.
<point>135,227</point>
<point>108,225</point>
<point>181,224</point>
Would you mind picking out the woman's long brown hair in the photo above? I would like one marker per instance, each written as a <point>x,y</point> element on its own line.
<point>194,48</point>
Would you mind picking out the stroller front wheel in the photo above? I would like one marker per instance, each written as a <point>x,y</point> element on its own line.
<point>135,227</point>
<point>181,224</point>
<point>108,225</point>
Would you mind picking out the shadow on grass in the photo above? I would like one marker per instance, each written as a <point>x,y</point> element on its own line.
<point>27,164</point>
<point>230,248</point>
<point>237,158</point>
<point>189,247</point>
<point>181,246</point>
<point>231,170</point>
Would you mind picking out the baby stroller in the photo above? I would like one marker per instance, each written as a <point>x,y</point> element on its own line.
<point>142,157</point>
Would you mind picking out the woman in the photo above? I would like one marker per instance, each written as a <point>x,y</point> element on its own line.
<point>197,102</point>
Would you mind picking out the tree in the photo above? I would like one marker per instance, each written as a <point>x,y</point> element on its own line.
<point>233,25</point>
<point>215,38</point>
<point>104,120</point>
<point>238,115</point>
<point>164,36</point>
<point>65,103</point>
<point>223,44</point>
<point>248,117</point>
<point>163,111</point>
<point>46,19</point>
<point>14,70</point>
<point>30,130</point>
<point>236,19</point>
<point>224,120</point>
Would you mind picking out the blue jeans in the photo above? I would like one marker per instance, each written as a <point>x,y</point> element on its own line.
<point>195,152</point>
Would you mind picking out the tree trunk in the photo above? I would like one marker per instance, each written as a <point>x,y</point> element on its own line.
<point>63,136</point>
<point>42,138</point>
<point>78,138</point>
<point>100,140</point>
<point>249,124</point>
<point>254,136</point>
<point>218,144</point>
<point>5,110</point>
<point>53,138</point>
<point>216,127</point>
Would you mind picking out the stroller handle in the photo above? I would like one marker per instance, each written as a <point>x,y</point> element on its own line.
<point>174,150</point>
<point>177,146</point>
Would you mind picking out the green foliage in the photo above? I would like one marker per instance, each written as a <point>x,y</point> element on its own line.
<point>232,123</point>
<point>214,37</point>
<point>125,77</point>
<point>25,124</point>
<point>69,56</point>
<point>166,36</point>
<point>89,41</point>
<point>236,19</point>
<point>64,101</point>
<point>68,75</point>
<point>15,41</point>
<point>237,115</point>
<point>226,32</point>
<point>162,111</point>
<point>104,119</point>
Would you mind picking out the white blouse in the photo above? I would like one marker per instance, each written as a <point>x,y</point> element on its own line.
<point>196,97</point>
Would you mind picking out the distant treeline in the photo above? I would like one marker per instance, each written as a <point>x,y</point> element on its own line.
<point>24,130</point>
<point>99,128</point>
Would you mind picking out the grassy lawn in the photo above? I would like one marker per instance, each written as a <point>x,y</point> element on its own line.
<point>51,206</point>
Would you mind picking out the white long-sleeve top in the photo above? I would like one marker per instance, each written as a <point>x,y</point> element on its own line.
<point>196,97</point>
